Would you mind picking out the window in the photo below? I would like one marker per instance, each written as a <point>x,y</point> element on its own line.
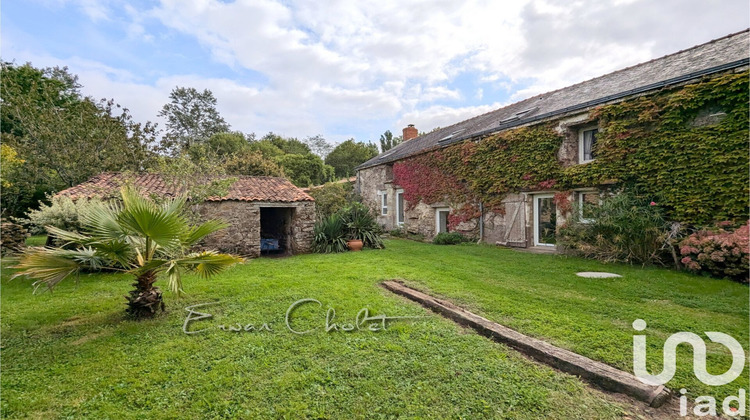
<point>400,207</point>
<point>441,220</point>
<point>383,202</point>
<point>587,144</point>
<point>587,200</point>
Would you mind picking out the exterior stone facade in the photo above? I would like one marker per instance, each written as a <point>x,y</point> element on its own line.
<point>530,218</point>
<point>243,235</point>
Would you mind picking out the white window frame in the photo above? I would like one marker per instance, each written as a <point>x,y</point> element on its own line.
<point>383,196</point>
<point>580,204</point>
<point>580,142</point>
<point>400,213</point>
<point>537,197</point>
<point>437,218</point>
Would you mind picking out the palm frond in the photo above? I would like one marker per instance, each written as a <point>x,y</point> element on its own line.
<point>196,233</point>
<point>67,237</point>
<point>208,263</point>
<point>164,225</point>
<point>174,279</point>
<point>50,266</point>
<point>118,251</point>
<point>100,221</point>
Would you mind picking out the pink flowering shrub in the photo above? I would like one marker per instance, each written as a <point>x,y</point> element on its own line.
<point>720,253</point>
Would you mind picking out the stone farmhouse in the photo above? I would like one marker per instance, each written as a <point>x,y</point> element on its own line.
<point>266,214</point>
<point>529,217</point>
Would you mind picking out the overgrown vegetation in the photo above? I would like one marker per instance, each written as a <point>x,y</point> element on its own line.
<point>140,237</point>
<point>685,148</point>
<point>624,227</point>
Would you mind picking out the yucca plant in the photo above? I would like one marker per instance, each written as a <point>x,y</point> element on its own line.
<point>137,236</point>
<point>361,224</point>
<point>330,235</point>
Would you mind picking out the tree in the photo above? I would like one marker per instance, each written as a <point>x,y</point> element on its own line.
<point>191,117</point>
<point>348,155</point>
<point>319,145</point>
<point>219,146</point>
<point>63,137</point>
<point>266,148</point>
<point>289,145</point>
<point>331,197</point>
<point>305,170</point>
<point>251,163</point>
<point>388,142</point>
<point>139,237</point>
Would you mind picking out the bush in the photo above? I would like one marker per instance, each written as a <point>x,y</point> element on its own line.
<point>62,213</point>
<point>331,198</point>
<point>12,238</point>
<point>329,235</point>
<point>718,252</point>
<point>361,224</point>
<point>352,222</point>
<point>624,228</point>
<point>448,238</point>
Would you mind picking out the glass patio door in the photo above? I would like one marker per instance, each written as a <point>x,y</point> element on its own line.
<point>545,220</point>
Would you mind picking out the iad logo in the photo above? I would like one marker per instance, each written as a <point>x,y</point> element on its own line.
<point>704,404</point>
<point>699,357</point>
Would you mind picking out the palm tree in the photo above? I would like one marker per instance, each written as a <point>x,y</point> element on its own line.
<point>138,236</point>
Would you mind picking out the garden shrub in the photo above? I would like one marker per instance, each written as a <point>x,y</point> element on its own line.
<point>718,252</point>
<point>398,233</point>
<point>329,235</point>
<point>352,222</point>
<point>331,197</point>
<point>62,213</point>
<point>624,228</point>
<point>361,224</point>
<point>448,238</point>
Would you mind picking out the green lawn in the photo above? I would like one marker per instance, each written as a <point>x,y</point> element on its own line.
<point>71,353</point>
<point>36,240</point>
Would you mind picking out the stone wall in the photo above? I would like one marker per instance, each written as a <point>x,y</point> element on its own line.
<point>242,237</point>
<point>303,223</point>
<point>372,180</point>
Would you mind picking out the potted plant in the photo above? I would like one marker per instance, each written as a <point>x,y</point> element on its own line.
<point>355,244</point>
<point>353,228</point>
<point>362,228</point>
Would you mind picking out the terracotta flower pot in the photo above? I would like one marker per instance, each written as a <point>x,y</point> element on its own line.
<point>355,245</point>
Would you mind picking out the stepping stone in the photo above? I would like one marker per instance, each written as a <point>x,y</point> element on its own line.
<point>597,275</point>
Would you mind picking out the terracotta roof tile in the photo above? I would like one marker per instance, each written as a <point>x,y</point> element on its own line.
<point>245,188</point>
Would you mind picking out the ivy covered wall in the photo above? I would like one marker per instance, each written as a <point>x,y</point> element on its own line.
<point>686,148</point>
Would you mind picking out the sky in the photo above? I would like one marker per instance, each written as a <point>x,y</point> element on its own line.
<point>350,69</point>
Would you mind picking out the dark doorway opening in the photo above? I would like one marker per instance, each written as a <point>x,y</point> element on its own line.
<point>276,230</point>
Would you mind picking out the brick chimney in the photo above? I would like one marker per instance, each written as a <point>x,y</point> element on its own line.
<point>410,132</point>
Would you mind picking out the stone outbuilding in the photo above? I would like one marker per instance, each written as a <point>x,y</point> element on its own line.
<point>267,215</point>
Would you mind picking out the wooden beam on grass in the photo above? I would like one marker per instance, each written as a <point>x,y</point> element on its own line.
<point>597,373</point>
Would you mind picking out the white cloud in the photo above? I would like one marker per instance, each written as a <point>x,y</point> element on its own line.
<point>442,116</point>
<point>344,67</point>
